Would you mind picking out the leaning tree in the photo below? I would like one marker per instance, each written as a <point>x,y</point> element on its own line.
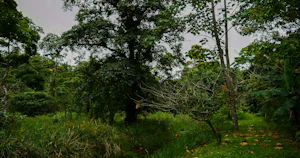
<point>125,39</point>
<point>198,93</point>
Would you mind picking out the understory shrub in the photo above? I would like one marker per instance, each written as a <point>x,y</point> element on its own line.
<point>32,103</point>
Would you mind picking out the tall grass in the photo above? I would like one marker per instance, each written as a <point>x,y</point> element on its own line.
<point>43,137</point>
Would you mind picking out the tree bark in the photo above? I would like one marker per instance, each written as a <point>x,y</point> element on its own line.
<point>53,85</point>
<point>225,70</point>
<point>131,111</point>
<point>2,84</point>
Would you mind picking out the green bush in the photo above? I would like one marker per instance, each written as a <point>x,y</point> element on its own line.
<point>32,104</point>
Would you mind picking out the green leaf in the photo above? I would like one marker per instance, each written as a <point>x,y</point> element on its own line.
<point>288,104</point>
<point>274,91</point>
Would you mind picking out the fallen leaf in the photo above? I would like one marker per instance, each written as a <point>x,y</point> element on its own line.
<point>256,140</point>
<point>267,140</point>
<point>244,143</point>
<point>228,140</point>
<point>278,145</point>
<point>204,145</point>
<point>295,146</point>
<point>265,145</point>
<point>224,144</point>
<point>261,130</point>
<point>140,147</point>
<point>278,148</point>
<point>187,150</point>
<point>234,136</point>
<point>275,137</point>
<point>226,135</point>
<point>177,135</point>
<point>248,135</point>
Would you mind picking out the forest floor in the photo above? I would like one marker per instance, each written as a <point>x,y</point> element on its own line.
<point>158,135</point>
<point>255,139</point>
<point>167,136</point>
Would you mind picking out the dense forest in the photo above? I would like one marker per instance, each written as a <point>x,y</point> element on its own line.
<point>139,94</point>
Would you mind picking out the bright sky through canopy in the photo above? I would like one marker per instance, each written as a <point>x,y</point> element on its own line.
<point>49,15</point>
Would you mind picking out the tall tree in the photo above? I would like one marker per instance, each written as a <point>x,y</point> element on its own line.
<point>17,33</point>
<point>53,46</point>
<point>205,20</point>
<point>131,33</point>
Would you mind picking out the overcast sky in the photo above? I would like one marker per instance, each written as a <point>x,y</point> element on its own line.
<point>49,15</point>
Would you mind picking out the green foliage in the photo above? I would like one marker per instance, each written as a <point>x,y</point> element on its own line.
<point>19,37</point>
<point>32,78</point>
<point>259,16</point>
<point>288,75</point>
<point>32,103</point>
<point>10,121</point>
<point>275,57</point>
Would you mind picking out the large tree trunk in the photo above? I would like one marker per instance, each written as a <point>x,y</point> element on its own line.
<point>225,70</point>
<point>131,111</point>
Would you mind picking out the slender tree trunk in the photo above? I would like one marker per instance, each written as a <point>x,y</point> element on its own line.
<point>53,85</point>
<point>226,36</point>
<point>6,96</point>
<point>2,84</point>
<point>3,87</point>
<point>225,70</point>
<point>217,135</point>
